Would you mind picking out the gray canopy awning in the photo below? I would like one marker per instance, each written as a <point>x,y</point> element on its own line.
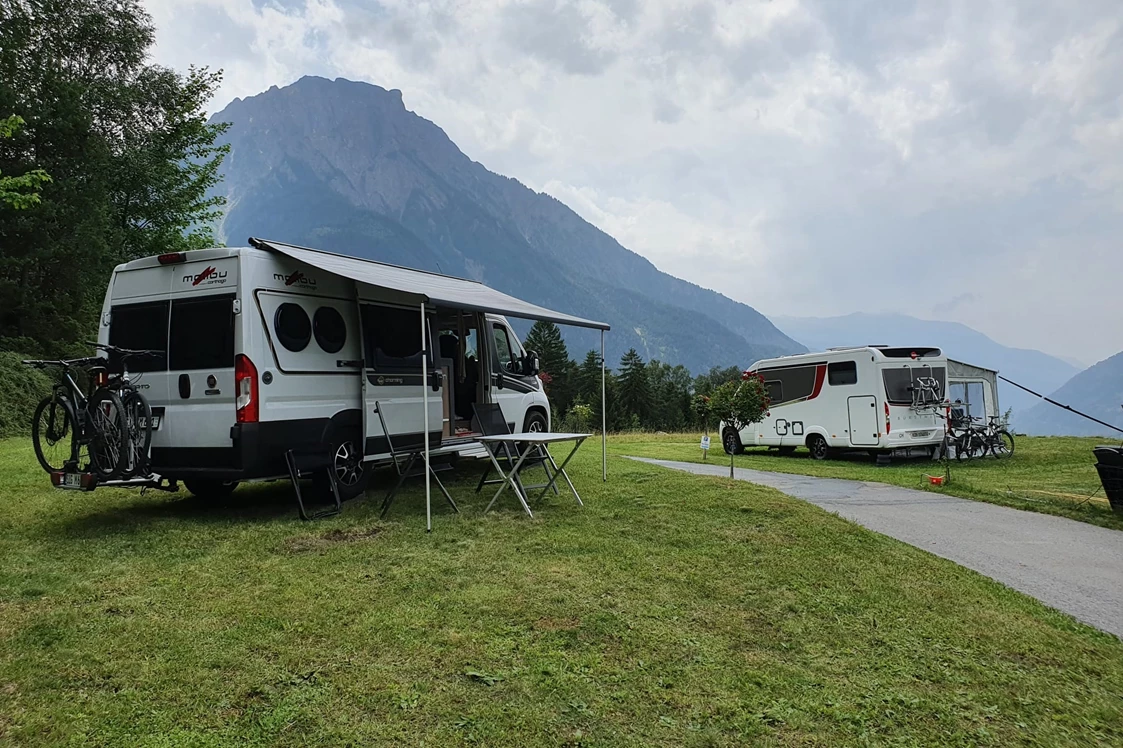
<point>433,287</point>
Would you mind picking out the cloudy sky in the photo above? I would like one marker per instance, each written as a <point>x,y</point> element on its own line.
<point>950,160</point>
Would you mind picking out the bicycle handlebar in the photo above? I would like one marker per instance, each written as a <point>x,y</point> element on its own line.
<point>127,351</point>
<point>64,363</point>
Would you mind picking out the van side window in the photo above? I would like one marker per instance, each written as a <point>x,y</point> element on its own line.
<point>504,350</point>
<point>842,373</point>
<point>140,327</point>
<point>202,333</point>
<point>775,391</point>
<point>292,326</point>
<point>393,338</point>
<point>330,329</point>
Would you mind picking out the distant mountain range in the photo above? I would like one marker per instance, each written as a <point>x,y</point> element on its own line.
<point>1034,369</point>
<point>1097,391</point>
<point>345,167</point>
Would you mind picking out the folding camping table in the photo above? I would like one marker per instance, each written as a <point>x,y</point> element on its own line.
<point>533,442</point>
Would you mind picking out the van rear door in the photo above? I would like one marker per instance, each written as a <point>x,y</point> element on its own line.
<point>187,311</point>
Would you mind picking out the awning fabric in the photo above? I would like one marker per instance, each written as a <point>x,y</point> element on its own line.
<point>439,289</point>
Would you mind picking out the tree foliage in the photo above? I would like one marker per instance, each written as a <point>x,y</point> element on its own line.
<point>546,340</point>
<point>22,192</point>
<point>129,150</point>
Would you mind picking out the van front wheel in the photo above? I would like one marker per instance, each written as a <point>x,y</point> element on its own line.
<point>209,489</point>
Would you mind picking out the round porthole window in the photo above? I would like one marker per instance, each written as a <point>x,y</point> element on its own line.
<point>329,328</point>
<point>292,326</point>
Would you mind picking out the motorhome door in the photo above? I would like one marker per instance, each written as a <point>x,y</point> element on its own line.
<point>392,381</point>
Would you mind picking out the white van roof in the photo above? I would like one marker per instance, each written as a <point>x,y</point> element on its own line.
<point>427,287</point>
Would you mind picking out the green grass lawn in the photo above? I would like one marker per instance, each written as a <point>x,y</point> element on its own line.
<point>671,610</point>
<point>1054,475</point>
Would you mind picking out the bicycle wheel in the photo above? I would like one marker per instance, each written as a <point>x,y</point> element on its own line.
<point>109,434</point>
<point>964,448</point>
<point>138,417</point>
<point>52,433</point>
<point>1003,445</point>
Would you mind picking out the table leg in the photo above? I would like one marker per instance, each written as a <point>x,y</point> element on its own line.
<point>561,471</point>
<point>510,479</point>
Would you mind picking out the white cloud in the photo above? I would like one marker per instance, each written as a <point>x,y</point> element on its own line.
<point>804,156</point>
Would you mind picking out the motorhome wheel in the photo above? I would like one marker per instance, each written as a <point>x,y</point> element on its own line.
<point>535,422</point>
<point>351,473</point>
<point>818,446</point>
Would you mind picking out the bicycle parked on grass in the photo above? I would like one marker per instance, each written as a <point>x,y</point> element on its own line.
<point>995,438</point>
<point>138,413</point>
<point>70,425</point>
<point>969,438</point>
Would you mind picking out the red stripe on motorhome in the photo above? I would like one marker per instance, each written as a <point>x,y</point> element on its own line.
<point>820,377</point>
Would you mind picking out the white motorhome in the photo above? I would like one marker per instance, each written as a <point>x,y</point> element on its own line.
<point>874,398</point>
<point>273,347</point>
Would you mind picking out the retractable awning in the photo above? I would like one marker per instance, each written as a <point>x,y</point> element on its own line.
<point>439,289</point>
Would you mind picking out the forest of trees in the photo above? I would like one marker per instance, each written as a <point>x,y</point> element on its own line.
<point>652,395</point>
<point>104,158</point>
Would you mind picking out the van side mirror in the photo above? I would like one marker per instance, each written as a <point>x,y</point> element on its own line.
<point>530,364</point>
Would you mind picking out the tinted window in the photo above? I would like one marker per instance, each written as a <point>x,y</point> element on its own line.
<point>140,327</point>
<point>202,334</point>
<point>775,391</point>
<point>292,326</point>
<point>899,382</point>
<point>393,338</point>
<point>794,383</point>
<point>842,373</point>
<point>330,329</point>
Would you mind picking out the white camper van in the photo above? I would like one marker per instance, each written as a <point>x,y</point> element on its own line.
<point>873,399</point>
<point>274,347</point>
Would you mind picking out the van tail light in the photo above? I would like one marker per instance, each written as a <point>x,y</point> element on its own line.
<point>101,378</point>
<point>245,385</point>
<point>887,419</point>
<point>172,258</point>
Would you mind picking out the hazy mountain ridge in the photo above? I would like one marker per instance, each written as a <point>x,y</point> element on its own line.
<point>1034,369</point>
<point>1097,391</point>
<point>344,166</point>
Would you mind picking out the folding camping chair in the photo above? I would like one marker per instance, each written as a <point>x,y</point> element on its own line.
<point>307,461</point>
<point>411,469</point>
<point>492,423</point>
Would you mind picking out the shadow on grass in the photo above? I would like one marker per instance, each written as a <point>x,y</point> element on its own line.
<point>261,503</point>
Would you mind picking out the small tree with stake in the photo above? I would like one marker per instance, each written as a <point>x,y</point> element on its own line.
<point>740,403</point>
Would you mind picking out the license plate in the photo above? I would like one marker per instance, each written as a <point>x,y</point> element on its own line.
<point>155,423</point>
<point>72,480</point>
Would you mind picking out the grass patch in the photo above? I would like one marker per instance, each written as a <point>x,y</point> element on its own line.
<point>671,610</point>
<point>1052,475</point>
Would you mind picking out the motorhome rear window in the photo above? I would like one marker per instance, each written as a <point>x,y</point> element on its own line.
<point>140,327</point>
<point>842,373</point>
<point>393,338</point>
<point>202,333</point>
<point>899,382</point>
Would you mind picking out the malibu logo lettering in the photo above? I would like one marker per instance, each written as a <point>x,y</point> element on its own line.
<point>297,278</point>
<point>210,276</point>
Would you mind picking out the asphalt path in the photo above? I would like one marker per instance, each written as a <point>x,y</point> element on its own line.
<point>1069,565</point>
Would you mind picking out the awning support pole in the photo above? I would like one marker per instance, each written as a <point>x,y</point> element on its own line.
<point>603,418</point>
<point>425,418</point>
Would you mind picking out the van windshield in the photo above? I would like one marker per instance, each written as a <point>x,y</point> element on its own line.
<point>899,382</point>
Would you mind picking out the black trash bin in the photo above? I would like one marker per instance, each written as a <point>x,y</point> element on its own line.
<point>1109,464</point>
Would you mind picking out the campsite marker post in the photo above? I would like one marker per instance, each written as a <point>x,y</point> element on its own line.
<point>603,418</point>
<point>425,419</point>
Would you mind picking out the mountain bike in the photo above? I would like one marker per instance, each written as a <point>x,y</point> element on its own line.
<point>138,413</point>
<point>996,439</point>
<point>68,423</point>
<point>963,438</point>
